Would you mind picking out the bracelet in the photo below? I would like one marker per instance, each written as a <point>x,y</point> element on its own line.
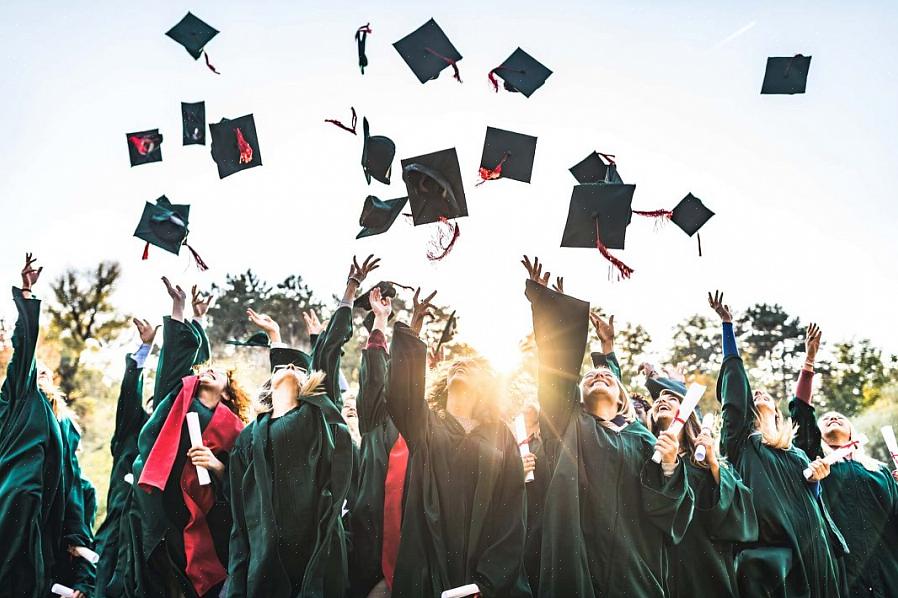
<point>355,280</point>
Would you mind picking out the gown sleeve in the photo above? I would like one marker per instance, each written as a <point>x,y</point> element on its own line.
<point>667,502</point>
<point>560,326</point>
<point>181,346</point>
<point>21,373</point>
<point>729,508</point>
<point>204,351</point>
<point>76,531</point>
<point>370,402</point>
<point>129,412</point>
<point>735,396</point>
<point>607,360</point>
<point>801,410</point>
<point>406,402</point>
<point>238,559</point>
<point>328,350</point>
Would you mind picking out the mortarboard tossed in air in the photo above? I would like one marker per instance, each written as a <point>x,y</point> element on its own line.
<point>259,339</point>
<point>193,123</point>
<point>690,215</point>
<point>786,75</point>
<point>378,215</point>
<point>361,36</point>
<point>337,123</point>
<point>377,155</point>
<point>194,34</point>
<point>436,195</point>
<point>165,225</point>
<point>235,145</point>
<point>144,147</point>
<point>657,385</point>
<point>521,73</point>
<point>596,168</point>
<point>507,155</point>
<point>598,218</point>
<point>427,51</point>
<point>448,332</point>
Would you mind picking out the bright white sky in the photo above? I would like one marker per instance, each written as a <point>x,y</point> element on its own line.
<point>803,185</point>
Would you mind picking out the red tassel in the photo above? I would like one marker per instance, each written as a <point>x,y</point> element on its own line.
<point>492,76</point>
<point>146,251</point>
<point>439,248</point>
<point>366,28</point>
<point>209,64</point>
<point>200,264</point>
<point>456,75</point>
<point>654,213</point>
<point>341,125</point>
<point>491,174</point>
<point>608,157</point>
<point>624,271</point>
<point>246,150</point>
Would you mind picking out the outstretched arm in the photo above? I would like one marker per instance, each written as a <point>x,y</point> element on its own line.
<point>801,410</point>
<point>181,344</point>
<point>606,357</point>
<point>371,402</point>
<point>21,376</point>
<point>406,403</point>
<point>733,389</point>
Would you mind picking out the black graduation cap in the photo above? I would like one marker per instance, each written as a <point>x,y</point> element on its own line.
<point>377,155</point>
<point>193,34</point>
<point>448,331</point>
<point>378,215</point>
<point>786,75</point>
<point>656,386</point>
<point>363,301</point>
<point>596,168</point>
<point>434,187</point>
<point>507,155</point>
<point>361,35</point>
<point>259,339</point>
<point>144,147</point>
<point>281,356</point>
<point>521,73</point>
<point>427,51</point>
<point>235,145</point>
<point>193,123</point>
<point>164,224</point>
<point>691,214</point>
<point>598,218</point>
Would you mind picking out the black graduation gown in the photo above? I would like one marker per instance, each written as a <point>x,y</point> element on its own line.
<point>609,508</point>
<point>32,488</point>
<point>291,477</point>
<point>464,518</point>
<point>798,544</point>
<point>864,505</point>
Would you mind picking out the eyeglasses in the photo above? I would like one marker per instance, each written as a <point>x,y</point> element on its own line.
<point>289,366</point>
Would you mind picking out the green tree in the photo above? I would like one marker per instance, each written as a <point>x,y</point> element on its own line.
<point>82,311</point>
<point>772,343</point>
<point>630,345</point>
<point>696,344</point>
<point>854,378</point>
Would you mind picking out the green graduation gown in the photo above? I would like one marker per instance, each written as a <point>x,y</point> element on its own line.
<point>32,487</point>
<point>155,559</point>
<point>290,477</point>
<point>130,417</point>
<point>464,517</point>
<point>609,508</point>
<point>798,544</point>
<point>864,505</point>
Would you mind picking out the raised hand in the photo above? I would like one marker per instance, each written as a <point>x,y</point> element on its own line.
<point>559,284</point>
<point>648,370</point>
<point>674,373</point>
<point>266,323</point>
<point>29,274</point>
<point>812,343</point>
<point>178,299</point>
<point>146,330</point>
<point>200,302</point>
<point>535,271</point>
<point>313,324</point>
<point>421,309</point>
<point>604,330</point>
<point>358,273</point>
<point>381,306</point>
<point>719,307</point>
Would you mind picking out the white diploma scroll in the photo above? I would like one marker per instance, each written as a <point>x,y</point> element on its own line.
<point>839,454</point>
<point>888,434</point>
<point>87,554</point>
<point>61,590</point>
<point>462,591</point>
<point>129,477</point>
<point>707,425</point>
<point>693,395</point>
<point>196,440</point>
<point>520,433</point>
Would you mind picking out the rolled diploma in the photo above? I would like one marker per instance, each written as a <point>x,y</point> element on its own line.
<point>87,554</point>
<point>472,589</point>
<point>520,432</point>
<point>707,425</point>
<point>129,477</point>
<point>693,396</point>
<point>888,434</point>
<point>196,440</point>
<point>836,455</point>
<point>61,590</point>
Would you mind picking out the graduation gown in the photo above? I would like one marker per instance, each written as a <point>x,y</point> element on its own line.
<point>32,487</point>
<point>464,517</point>
<point>130,417</point>
<point>702,563</point>
<point>379,436</point>
<point>864,505</point>
<point>798,544</point>
<point>168,548</point>
<point>291,476</point>
<point>609,508</point>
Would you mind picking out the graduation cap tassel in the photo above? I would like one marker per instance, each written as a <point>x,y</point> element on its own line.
<point>209,64</point>
<point>491,174</point>
<point>624,271</point>
<point>200,264</point>
<point>336,122</point>
<point>246,150</point>
<point>495,83</point>
<point>699,238</point>
<point>361,35</point>
<point>608,157</point>
<point>447,229</point>
<point>661,216</point>
<point>456,75</point>
<point>146,252</point>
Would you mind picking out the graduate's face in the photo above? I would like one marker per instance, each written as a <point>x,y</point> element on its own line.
<point>349,411</point>
<point>764,402</point>
<point>665,408</point>
<point>531,415</point>
<point>287,375</point>
<point>44,376</point>
<point>463,374</point>
<point>835,428</point>
<point>599,382</point>
<point>213,380</point>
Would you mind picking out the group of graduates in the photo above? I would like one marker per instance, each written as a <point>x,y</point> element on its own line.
<point>433,497</point>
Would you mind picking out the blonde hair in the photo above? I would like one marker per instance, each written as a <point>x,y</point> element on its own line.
<point>782,435</point>
<point>488,408</point>
<point>312,384</point>
<point>53,394</point>
<point>859,454</point>
<point>625,408</point>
